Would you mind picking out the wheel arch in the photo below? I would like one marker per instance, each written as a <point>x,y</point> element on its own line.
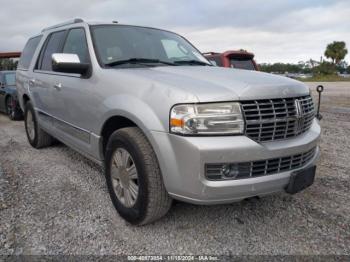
<point>7,96</point>
<point>131,111</point>
<point>22,100</point>
<point>25,98</point>
<point>112,124</point>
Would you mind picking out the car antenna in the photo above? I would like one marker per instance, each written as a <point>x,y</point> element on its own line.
<point>115,22</point>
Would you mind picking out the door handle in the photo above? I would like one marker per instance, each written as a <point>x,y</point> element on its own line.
<point>58,86</point>
<point>31,82</point>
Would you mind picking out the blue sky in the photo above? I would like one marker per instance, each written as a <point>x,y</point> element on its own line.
<point>285,31</point>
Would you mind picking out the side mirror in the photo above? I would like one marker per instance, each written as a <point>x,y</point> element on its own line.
<point>68,63</point>
<point>2,85</point>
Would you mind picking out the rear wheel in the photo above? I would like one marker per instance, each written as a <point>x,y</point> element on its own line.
<point>12,110</point>
<point>134,178</point>
<point>37,137</point>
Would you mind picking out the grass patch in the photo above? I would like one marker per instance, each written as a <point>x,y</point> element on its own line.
<point>325,78</point>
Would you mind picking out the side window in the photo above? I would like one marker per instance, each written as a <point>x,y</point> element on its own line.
<point>28,52</point>
<point>76,44</point>
<point>217,60</point>
<point>53,44</point>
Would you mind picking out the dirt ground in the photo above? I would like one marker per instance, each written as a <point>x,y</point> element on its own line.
<point>54,201</point>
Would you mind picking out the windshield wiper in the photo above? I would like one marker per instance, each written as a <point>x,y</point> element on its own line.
<point>139,61</point>
<point>191,62</point>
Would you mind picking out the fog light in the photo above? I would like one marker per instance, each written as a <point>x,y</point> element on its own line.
<point>227,171</point>
<point>230,171</point>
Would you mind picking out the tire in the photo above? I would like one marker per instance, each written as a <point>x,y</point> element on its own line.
<point>14,113</point>
<point>152,200</point>
<point>37,137</point>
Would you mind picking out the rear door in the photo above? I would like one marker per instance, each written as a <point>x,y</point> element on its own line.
<point>43,78</point>
<point>23,74</point>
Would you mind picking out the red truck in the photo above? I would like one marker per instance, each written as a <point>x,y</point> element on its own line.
<point>240,59</point>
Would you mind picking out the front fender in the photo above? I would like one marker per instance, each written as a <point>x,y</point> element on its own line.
<point>135,109</point>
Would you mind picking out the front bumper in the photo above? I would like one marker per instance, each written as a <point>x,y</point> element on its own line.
<point>182,161</point>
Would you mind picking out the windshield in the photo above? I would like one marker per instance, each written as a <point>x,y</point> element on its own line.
<point>121,43</point>
<point>10,79</point>
<point>246,64</point>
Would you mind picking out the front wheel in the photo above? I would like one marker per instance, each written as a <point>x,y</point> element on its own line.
<point>134,178</point>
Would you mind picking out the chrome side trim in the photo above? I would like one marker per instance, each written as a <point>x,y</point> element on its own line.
<point>72,130</point>
<point>56,73</point>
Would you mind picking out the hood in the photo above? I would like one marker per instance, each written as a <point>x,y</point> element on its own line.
<point>11,89</point>
<point>210,84</point>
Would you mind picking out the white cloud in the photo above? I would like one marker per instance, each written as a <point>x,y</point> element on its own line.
<point>274,30</point>
<point>267,46</point>
<point>298,35</point>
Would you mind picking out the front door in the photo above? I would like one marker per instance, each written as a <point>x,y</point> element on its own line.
<point>69,95</point>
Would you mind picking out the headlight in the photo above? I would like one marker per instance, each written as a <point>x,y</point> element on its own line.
<point>207,119</point>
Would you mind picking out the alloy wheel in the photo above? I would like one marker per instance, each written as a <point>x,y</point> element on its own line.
<point>30,125</point>
<point>9,108</point>
<point>124,177</point>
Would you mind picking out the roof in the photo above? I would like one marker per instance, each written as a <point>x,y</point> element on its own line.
<point>10,54</point>
<point>230,53</point>
<point>81,21</point>
<point>238,52</point>
<point>78,21</point>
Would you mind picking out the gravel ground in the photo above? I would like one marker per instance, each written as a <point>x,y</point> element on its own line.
<point>54,201</point>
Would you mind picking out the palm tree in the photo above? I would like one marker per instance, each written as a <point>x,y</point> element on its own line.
<point>336,51</point>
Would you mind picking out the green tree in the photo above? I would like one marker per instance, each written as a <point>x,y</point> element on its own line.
<point>281,68</point>
<point>336,51</point>
<point>325,68</point>
<point>8,64</point>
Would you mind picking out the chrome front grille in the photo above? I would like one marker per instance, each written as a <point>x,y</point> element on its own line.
<point>259,168</point>
<point>274,119</point>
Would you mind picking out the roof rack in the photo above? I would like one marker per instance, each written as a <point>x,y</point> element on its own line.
<point>72,21</point>
<point>210,53</point>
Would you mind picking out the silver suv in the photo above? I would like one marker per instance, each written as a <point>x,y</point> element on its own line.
<point>163,121</point>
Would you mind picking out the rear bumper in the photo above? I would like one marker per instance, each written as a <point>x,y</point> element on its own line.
<point>182,161</point>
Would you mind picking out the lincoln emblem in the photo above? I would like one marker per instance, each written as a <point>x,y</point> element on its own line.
<point>299,115</point>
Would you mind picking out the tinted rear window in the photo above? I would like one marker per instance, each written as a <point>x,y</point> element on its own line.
<point>242,64</point>
<point>10,79</point>
<point>28,52</point>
